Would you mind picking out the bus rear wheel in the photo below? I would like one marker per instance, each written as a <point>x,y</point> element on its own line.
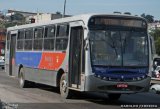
<point>64,91</point>
<point>22,82</point>
<point>114,96</point>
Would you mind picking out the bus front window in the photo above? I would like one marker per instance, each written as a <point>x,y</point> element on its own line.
<point>119,48</point>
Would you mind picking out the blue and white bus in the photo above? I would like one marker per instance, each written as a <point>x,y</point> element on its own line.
<point>93,52</point>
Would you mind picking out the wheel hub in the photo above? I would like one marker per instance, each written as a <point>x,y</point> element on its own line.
<point>64,86</point>
<point>21,79</point>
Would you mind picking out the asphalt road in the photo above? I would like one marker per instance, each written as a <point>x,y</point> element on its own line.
<point>45,97</point>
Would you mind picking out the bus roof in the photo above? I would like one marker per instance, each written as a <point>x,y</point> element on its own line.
<point>83,17</point>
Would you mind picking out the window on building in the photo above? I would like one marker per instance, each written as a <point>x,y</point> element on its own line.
<point>62,37</point>
<point>49,37</point>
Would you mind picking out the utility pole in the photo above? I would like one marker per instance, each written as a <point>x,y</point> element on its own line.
<point>64,10</point>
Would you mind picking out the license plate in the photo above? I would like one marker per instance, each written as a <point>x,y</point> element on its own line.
<point>122,85</point>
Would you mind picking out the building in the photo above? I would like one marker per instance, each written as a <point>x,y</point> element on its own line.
<point>2,34</point>
<point>153,26</point>
<point>25,14</point>
<point>2,41</point>
<point>38,17</point>
<point>42,17</point>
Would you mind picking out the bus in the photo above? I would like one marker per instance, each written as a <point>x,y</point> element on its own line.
<point>106,53</point>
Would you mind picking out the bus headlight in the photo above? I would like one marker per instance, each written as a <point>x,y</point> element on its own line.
<point>99,76</point>
<point>104,78</point>
<point>138,78</point>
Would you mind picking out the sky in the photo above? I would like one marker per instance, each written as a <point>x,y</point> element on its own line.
<point>75,7</point>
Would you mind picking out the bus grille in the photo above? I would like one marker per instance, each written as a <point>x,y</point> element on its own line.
<point>131,79</point>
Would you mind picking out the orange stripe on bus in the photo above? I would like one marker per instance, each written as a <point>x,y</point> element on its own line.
<point>51,61</point>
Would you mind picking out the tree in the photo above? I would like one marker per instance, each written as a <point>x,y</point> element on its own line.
<point>17,17</point>
<point>157,45</point>
<point>58,12</point>
<point>1,25</point>
<point>10,24</point>
<point>128,13</point>
<point>149,18</point>
<point>156,34</point>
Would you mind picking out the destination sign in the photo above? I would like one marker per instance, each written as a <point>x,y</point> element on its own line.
<point>104,21</point>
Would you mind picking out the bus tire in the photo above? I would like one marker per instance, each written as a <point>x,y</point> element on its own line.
<point>64,91</point>
<point>22,82</point>
<point>114,96</point>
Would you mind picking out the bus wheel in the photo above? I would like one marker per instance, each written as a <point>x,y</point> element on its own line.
<point>22,82</point>
<point>65,92</point>
<point>114,96</point>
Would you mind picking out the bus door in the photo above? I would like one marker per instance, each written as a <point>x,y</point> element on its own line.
<point>12,53</point>
<point>75,57</point>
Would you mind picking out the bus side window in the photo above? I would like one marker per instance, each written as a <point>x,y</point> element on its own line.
<point>62,37</point>
<point>20,40</point>
<point>49,37</point>
<point>28,39</point>
<point>38,38</point>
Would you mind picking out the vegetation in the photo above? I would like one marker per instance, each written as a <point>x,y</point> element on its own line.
<point>2,25</point>
<point>156,34</point>
<point>149,18</point>
<point>13,20</point>
<point>17,17</point>
<point>58,12</point>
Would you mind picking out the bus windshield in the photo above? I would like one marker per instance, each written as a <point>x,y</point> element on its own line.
<point>119,48</point>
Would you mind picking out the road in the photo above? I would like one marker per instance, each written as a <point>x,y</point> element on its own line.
<point>45,97</point>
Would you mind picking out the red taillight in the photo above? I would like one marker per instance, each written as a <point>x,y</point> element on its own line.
<point>157,75</point>
<point>122,85</point>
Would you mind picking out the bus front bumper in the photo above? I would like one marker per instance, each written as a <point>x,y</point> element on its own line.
<point>99,85</point>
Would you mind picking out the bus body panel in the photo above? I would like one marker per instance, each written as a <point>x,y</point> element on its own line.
<point>40,60</point>
<point>100,85</point>
<point>40,67</point>
<point>47,77</point>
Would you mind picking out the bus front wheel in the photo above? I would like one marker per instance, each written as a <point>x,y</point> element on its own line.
<point>22,82</point>
<point>64,91</point>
